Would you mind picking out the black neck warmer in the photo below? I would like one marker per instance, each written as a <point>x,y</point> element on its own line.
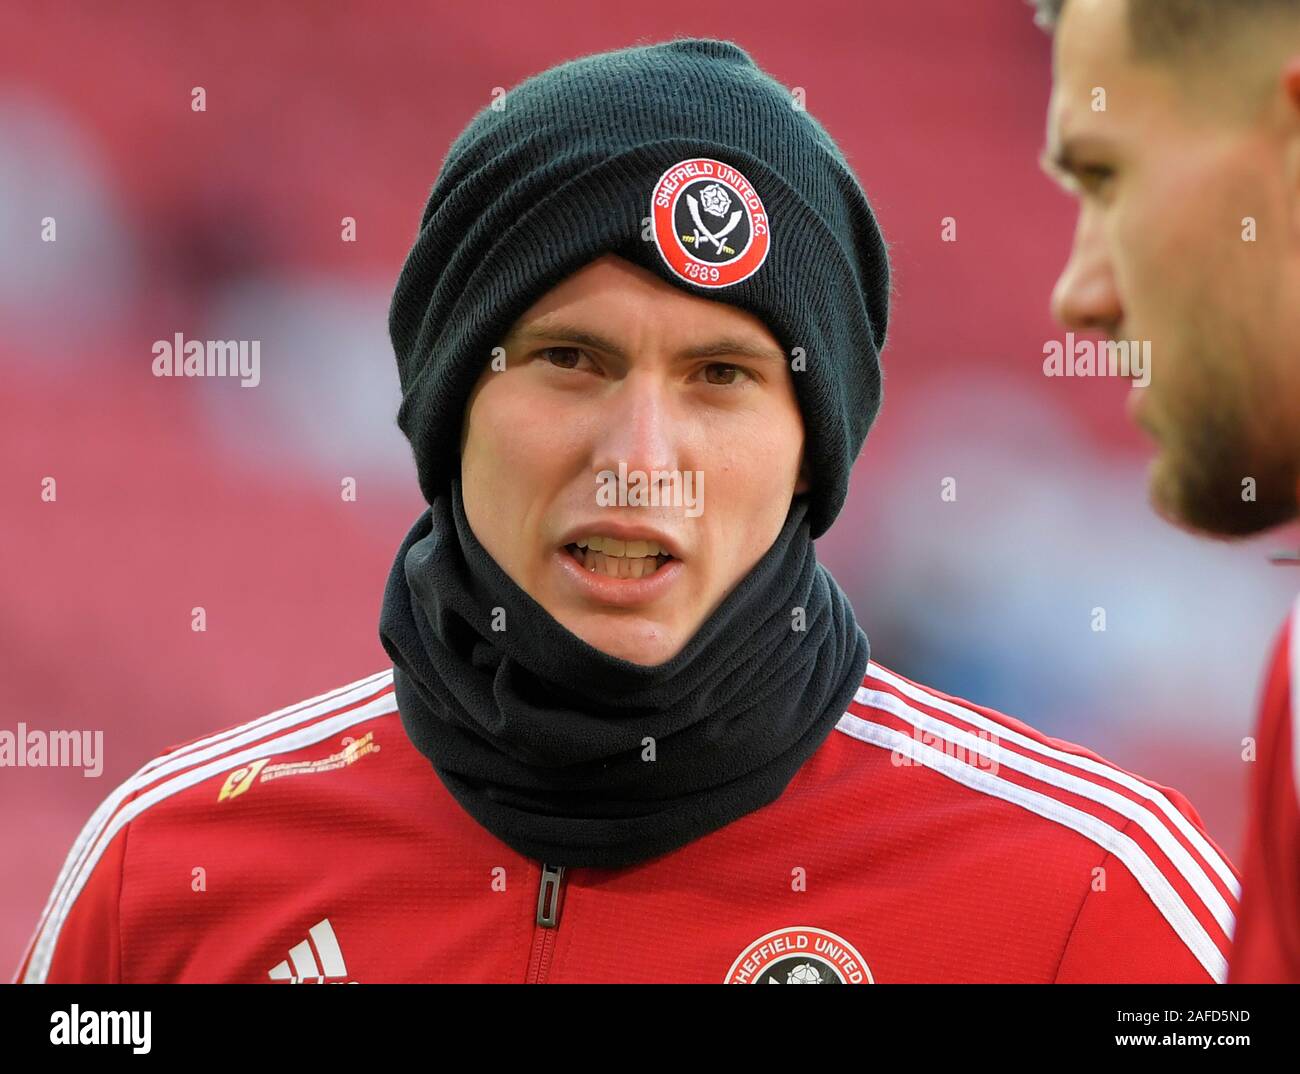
<point>542,737</point>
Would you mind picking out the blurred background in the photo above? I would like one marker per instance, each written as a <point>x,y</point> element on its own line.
<point>225,224</point>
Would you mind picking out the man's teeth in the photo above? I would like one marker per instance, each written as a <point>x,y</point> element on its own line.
<point>618,566</point>
<point>612,547</point>
<point>620,559</point>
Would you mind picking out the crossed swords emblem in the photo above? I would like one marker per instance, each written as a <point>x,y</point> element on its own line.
<point>702,232</point>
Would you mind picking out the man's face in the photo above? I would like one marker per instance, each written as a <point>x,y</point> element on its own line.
<point>615,368</point>
<point>1166,176</point>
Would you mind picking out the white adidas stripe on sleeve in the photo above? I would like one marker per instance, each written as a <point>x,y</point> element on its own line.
<point>1171,904</point>
<point>90,843</point>
<point>1085,764</point>
<point>1107,836</point>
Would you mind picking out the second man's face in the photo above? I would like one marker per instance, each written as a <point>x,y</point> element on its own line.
<point>1183,238</point>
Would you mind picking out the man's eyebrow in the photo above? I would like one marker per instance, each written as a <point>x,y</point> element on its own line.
<point>722,347</point>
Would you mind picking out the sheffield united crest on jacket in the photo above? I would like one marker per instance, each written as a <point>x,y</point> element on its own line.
<point>800,955</point>
<point>709,223</point>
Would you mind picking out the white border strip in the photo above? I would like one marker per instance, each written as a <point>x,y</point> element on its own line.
<point>1086,764</point>
<point>201,750</point>
<point>1153,881</point>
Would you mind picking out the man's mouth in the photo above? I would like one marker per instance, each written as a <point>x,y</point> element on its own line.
<point>618,559</point>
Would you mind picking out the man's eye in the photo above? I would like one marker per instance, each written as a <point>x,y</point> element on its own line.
<point>730,373</point>
<point>563,357</point>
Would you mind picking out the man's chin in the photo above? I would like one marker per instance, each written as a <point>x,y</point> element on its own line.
<point>1214,505</point>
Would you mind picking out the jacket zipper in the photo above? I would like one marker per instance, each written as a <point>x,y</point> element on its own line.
<point>547,921</point>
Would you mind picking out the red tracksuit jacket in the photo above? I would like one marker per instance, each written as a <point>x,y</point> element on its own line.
<point>927,840</point>
<point>1267,945</point>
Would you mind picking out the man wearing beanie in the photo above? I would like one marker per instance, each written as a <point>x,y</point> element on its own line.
<point>631,732</point>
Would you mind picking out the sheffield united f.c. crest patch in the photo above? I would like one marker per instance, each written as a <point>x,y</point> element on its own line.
<point>709,223</point>
<point>800,954</point>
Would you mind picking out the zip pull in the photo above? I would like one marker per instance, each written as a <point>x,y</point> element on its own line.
<point>548,896</point>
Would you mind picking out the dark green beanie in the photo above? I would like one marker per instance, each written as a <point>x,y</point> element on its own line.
<point>683,158</point>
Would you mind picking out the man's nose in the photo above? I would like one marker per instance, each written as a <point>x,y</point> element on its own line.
<point>1086,297</point>
<point>640,425</point>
